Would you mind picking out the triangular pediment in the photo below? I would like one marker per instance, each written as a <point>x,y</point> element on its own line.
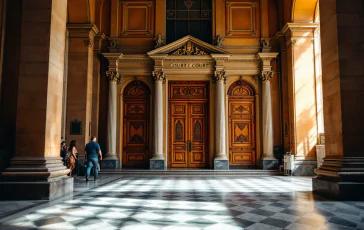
<point>188,46</point>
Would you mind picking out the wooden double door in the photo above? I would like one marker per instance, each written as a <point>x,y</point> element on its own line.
<point>188,125</point>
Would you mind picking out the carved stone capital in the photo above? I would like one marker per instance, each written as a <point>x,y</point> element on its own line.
<point>266,76</point>
<point>113,76</point>
<point>159,76</point>
<point>219,76</point>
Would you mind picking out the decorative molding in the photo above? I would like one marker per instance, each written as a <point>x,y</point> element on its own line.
<point>158,41</point>
<point>135,60</point>
<point>218,40</point>
<point>113,76</point>
<point>267,76</point>
<point>219,76</point>
<point>189,49</point>
<point>159,75</point>
<point>114,43</point>
<point>89,42</point>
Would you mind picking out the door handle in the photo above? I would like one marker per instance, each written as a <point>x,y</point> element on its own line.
<point>189,146</point>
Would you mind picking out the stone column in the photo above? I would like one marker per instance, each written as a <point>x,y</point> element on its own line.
<point>221,162</point>
<point>98,47</point>
<point>301,89</point>
<point>111,160</point>
<point>268,160</point>
<point>157,161</point>
<point>36,171</point>
<point>341,175</point>
<point>79,82</point>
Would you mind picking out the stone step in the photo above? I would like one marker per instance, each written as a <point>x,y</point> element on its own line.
<point>199,172</point>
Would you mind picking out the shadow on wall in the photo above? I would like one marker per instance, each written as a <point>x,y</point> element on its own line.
<point>5,157</point>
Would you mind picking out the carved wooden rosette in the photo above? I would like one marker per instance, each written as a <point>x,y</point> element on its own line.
<point>266,76</point>
<point>219,76</point>
<point>159,76</point>
<point>113,76</point>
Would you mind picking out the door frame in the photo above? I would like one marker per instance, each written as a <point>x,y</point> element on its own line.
<point>188,101</point>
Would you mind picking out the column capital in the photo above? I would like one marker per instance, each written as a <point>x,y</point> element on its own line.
<point>98,41</point>
<point>219,76</point>
<point>158,75</point>
<point>266,76</point>
<point>82,30</point>
<point>113,76</point>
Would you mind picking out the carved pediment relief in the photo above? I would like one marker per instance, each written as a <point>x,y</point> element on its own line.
<point>189,49</point>
<point>188,46</point>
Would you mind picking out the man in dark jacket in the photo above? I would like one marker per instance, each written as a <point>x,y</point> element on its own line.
<point>93,153</point>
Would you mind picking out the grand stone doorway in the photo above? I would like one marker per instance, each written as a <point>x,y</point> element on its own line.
<point>188,107</point>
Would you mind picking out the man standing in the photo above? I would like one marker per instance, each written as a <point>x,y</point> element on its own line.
<point>93,152</point>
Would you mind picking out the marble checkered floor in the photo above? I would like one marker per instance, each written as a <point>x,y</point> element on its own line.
<point>185,202</point>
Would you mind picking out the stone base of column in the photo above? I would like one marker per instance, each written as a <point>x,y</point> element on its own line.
<point>269,164</point>
<point>157,164</point>
<point>338,190</point>
<point>304,168</point>
<point>340,178</point>
<point>43,190</point>
<point>110,164</point>
<point>220,164</point>
<point>35,178</point>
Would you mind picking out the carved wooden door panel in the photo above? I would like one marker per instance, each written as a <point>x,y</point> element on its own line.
<point>188,131</point>
<point>136,122</point>
<point>197,135</point>
<point>241,125</point>
<point>188,134</point>
<point>179,135</point>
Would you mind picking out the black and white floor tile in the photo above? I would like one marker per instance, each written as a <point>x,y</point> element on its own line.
<point>185,202</point>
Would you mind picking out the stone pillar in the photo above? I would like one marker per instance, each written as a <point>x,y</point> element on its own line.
<point>221,161</point>
<point>302,103</point>
<point>341,175</point>
<point>98,43</point>
<point>79,82</point>
<point>36,171</point>
<point>111,160</point>
<point>157,161</point>
<point>268,161</point>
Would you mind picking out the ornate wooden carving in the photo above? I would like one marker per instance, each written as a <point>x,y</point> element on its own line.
<point>179,131</point>
<point>241,124</point>
<point>192,90</point>
<point>197,131</point>
<point>137,89</point>
<point>241,88</point>
<point>136,119</point>
<point>188,145</point>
